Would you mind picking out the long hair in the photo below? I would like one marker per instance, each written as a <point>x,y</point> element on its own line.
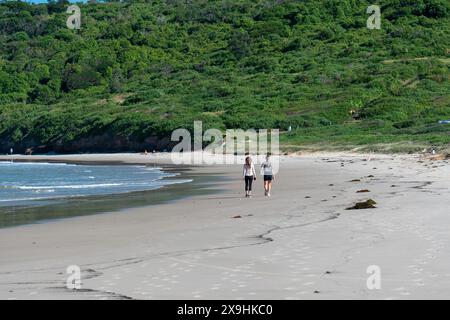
<point>248,162</point>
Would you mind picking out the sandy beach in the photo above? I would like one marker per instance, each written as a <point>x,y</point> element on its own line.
<point>301,243</point>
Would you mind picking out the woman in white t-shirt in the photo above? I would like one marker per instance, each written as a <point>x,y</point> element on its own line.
<point>249,175</point>
<point>267,172</point>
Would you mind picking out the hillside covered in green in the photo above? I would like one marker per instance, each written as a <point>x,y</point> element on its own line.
<point>137,70</point>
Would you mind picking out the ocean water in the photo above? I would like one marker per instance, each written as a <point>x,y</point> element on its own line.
<point>25,183</point>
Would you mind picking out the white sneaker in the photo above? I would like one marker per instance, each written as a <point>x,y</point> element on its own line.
<point>268,194</point>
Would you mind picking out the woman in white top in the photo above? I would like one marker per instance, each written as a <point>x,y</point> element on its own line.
<point>249,175</point>
<point>267,172</point>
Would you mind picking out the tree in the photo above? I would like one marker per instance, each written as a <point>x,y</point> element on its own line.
<point>240,43</point>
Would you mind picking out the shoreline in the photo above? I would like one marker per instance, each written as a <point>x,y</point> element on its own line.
<point>300,244</point>
<point>49,211</point>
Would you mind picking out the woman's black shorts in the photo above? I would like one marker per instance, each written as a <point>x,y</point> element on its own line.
<point>268,177</point>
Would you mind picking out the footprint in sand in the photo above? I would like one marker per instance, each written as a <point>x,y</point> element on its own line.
<point>305,269</point>
<point>290,289</point>
<point>402,291</point>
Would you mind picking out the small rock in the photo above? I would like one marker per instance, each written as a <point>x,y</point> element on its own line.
<point>363,191</point>
<point>237,217</point>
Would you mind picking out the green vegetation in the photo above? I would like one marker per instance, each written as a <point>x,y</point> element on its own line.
<point>138,70</point>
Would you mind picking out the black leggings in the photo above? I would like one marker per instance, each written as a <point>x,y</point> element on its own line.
<point>248,183</point>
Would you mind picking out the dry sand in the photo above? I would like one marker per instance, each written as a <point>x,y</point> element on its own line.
<point>299,244</point>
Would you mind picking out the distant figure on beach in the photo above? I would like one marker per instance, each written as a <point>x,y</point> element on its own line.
<point>11,151</point>
<point>249,175</point>
<point>267,172</point>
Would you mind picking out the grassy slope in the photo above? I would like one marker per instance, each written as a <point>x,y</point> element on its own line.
<point>138,70</point>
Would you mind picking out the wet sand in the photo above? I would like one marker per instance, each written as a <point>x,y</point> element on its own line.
<point>42,211</point>
<point>301,243</point>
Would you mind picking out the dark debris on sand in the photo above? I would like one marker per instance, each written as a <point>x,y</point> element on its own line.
<point>369,204</point>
